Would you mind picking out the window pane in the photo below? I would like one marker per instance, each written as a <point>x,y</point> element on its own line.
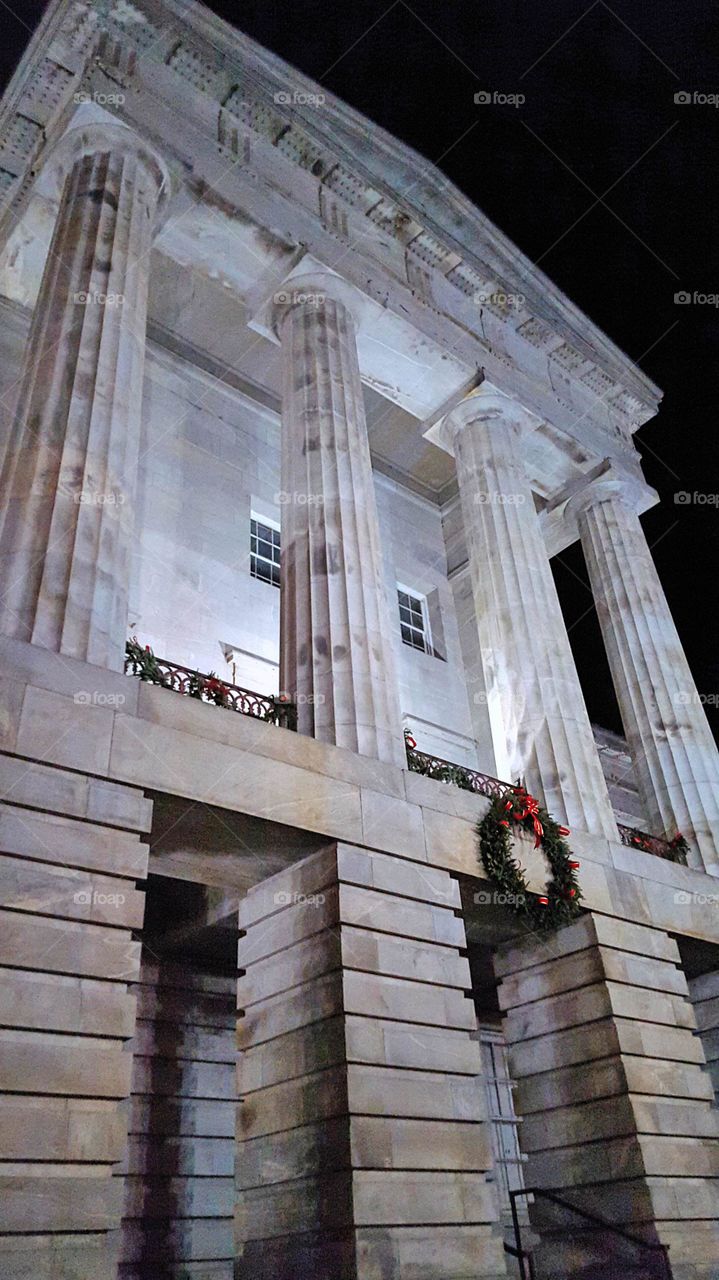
<point>264,552</point>
<point>412,620</point>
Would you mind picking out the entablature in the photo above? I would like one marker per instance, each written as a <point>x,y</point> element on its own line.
<point>268,173</point>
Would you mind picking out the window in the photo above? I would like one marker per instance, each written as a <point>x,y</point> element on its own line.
<point>265,551</point>
<point>413,620</point>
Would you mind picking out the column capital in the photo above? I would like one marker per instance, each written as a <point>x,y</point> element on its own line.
<point>94,131</point>
<point>611,485</point>
<point>313,289</point>
<point>485,404</point>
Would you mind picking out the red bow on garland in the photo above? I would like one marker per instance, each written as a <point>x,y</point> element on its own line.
<point>530,810</point>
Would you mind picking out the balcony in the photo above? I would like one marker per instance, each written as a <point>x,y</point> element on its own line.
<point>281,711</point>
<point>141,662</point>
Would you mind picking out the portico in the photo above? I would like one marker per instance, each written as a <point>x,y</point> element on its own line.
<point>230,338</point>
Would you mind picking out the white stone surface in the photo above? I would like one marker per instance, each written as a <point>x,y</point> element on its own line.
<point>435,690</point>
<point>70,468</point>
<point>675,757</point>
<point>539,723</point>
<point>336,655</point>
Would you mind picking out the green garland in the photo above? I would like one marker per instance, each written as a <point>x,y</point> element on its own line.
<point>561,902</point>
<point>142,662</point>
<point>676,847</point>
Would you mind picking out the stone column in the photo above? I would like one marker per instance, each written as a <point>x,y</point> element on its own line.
<point>364,1147</point>
<point>675,756</point>
<point>68,481</point>
<point>536,710</point>
<point>616,1104</point>
<point>336,650</point>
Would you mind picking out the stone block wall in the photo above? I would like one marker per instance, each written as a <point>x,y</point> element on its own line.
<point>363,1150</point>
<point>71,854</point>
<point>178,1170</point>
<point>615,1099</point>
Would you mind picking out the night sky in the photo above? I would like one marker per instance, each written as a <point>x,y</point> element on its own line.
<point>600,177</point>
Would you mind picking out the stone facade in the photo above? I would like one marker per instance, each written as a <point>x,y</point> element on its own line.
<point>242,325</point>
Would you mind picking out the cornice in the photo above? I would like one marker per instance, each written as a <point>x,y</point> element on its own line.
<point>451,250</point>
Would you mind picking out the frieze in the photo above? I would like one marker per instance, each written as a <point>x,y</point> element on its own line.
<point>239,83</point>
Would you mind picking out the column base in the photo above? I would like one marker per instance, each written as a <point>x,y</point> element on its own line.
<point>617,1107</point>
<point>71,859</point>
<point>364,1148</point>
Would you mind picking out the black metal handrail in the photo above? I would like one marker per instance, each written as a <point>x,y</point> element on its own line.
<point>482,784</point>
<point>658,845</point>
<point>522,1256</point>
<point>208,688</point>
<point>661,1250</point>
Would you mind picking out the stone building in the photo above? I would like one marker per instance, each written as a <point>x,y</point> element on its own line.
<point>236,317</point>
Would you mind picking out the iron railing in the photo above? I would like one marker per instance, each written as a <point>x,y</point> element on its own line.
<point>660,1252</point>
<point>482,784</point>
<point>209,688</point>
<point>283,712</point>
<point>658,845</point>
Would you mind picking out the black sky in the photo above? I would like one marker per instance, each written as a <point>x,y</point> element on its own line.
<point>600,177</point>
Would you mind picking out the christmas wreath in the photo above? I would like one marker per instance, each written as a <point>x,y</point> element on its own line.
<point>561,903</point>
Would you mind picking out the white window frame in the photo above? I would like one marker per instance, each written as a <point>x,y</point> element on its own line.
<point>419,596</point>
<point>255,556</point>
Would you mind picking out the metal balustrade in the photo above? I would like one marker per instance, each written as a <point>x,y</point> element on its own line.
<point>209,688</point>
<point>282,711</point>
<point>484,784</point>
<point>661,848</point>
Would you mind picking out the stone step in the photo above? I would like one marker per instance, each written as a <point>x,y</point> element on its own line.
<point>594,1255</point>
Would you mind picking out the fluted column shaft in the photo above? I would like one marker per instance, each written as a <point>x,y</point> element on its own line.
<point>336,651</point>
<point>675,756</point>
<point>69,475</point>
<point>538,719</point>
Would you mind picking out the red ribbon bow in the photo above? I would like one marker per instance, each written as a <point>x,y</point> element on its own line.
<point>531,810</point>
